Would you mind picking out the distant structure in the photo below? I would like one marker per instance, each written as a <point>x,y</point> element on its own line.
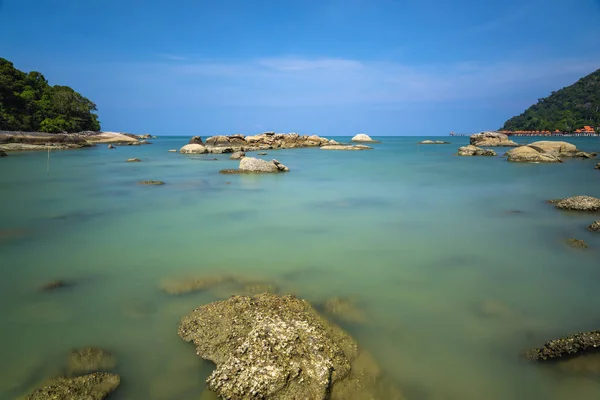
<point>585,131</point>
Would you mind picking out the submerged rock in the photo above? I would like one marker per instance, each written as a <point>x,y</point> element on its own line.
<point>594,227</point>
<point>89,387</point>
<point>86,360</point>
<point>487,139</point>
<point>269,346</point>
<point>133,160</point>
<point>577,203</point>
<point>344,310</point>
<point>361,137</point>
<point>566,347</point>
<point>238,155</point>
<point>529,154</point>
<point>193,149</point>
<point>585,364</point>
<point>346,147</point>
<point>53,285</point>
<point>471,150</point>
<point>151,183</point>
<point>576,243</point>
<point>183,285</point>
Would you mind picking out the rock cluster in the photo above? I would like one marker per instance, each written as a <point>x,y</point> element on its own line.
<point>566,347</point>
<point>433,142</point>
<point>95,386</point>
<point>345,147</point>
<point>578,203</point>
<point>471,150</point>
<point>594,227</point>
<point>488,139</point>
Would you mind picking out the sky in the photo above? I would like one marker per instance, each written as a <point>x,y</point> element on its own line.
<point>326,67</point>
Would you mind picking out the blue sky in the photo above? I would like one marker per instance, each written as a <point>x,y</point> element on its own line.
<point>330,67</point>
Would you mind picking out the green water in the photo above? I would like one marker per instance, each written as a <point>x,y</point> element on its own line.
<point>422,239</point>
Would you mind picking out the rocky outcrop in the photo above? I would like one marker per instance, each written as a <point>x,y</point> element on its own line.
<point>558,149</point>
<point>193,148</point>
<point>86,360</point>
<point>566,347</point>
<point>576,243</point>
<point>196,140</point>
<point>151,183</point>
<point>488,139</point>
<point>107,137</point>
<point>133,160</point>
<point>361,137</point>
<point>433,142</point>
<point>471,150</point>
<point>578,203</point>
<point>594,227</point>
<point>529,154</point>
<point>269,346</point>
<point>264,141</point>
<point>346,147</point>
<point>35,141</point>
<point>95,386</point>
<point>238,155</point>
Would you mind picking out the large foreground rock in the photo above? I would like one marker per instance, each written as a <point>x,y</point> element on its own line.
<point>487,139</point>
<point>361,137</point>
<point>345,147</point>
<point>471,150</point>
<point>578,203</point>
<point>566,347</point>
<point>89,387</point>
<point>557,148</point>
<point>193,148</point>
<point>528,154</point>
<point>251,164</point>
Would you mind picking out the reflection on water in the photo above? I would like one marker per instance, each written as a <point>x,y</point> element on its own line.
<point>429,264</point>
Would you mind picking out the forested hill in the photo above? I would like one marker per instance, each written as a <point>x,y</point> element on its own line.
<point>567,110</point>
<point>28,103</point>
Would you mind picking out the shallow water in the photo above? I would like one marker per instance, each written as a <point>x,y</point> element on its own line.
<point>454,282</point>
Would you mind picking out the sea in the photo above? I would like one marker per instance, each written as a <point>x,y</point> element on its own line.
<point>457,264</point>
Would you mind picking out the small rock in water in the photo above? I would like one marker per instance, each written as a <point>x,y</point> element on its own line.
<point>133,160</point>
<point>577,203</point>
<point>95,386</point>
<point>152,183</point>
<point>471,150</point>
<point>50,286</point>
<point>238,155</point>
<point>3,153</point>
<point>110,146</point>
<point>577,243</point>
<point>87,360</point>
<point>597,166</point>
<point>172,151</point>
<point>262,153</point>
<point>595,227</point>
<point>344,310</point>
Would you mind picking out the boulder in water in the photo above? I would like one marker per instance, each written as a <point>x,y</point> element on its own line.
<point>361,137</point>
<point>87,360</point>
<point>345,147</point>
<point>433,142</point>
<point>196,140</point>
<point>594,227</point>
<point>597,166</point>
<point>256,165</point>
<point>193,149</point>
<point>95,386</point>
<point>110,146</point>
<point>3,153</point>
<point>568,346</point>
<point>471,150</point>
<point>530,154</point>
<point>488,139</point>
<point>152,183</point>
<point>133,160</point>
<point>238,155</point>
<point>578,203</point>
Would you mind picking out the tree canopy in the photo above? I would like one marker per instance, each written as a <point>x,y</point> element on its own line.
<point>29,103</point>
<point>568,109</point>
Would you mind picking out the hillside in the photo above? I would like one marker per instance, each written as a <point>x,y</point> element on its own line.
<point>29,103</point>
<point>566,110</point>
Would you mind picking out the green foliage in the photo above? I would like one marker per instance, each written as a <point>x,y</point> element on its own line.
<point>29,103</point>
<point>568,109</point>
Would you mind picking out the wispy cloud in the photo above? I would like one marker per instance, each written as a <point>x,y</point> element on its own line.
<point>172,57</point>
<point>506,20</point>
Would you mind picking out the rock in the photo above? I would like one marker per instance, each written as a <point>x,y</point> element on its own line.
<point>528,154</point>
<point>433,142</point>
<point>196,140</point>
<point>133,160</point>
<point>597,166</point>
<point>344,310</point>
<point>333,142</point>
<point>110,146</point>
<point>487,139</point>
<point>471,150</point>
<point>557,148</point>
<point>87,360</point>
<point>441,142</point>
<point>184,285</point>
<point>595,227</point>
<point>109,137</point>
<point>345,147</point>
<point>262,153</point>
<point>269,346</point>
<point>144,142</point>
<point>134,143</point>
<point>238,155</point>
<point>89,387</point>
<point>146,136</point>
<point>172,151</point>
<point>576,243</point>
<point>583,154</point>
<point>193,149</point>
<point>53,285</point>
<point>578,203</point>
<point>151,183</point>
<point>3,153</point>
<point>250,164</point>
<point>361,137</point>
<point>566,347</point>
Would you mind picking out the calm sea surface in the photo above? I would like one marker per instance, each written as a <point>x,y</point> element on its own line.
<point>454,281</point>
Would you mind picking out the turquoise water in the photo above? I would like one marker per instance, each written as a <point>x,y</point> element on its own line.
<point>454,282</point>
